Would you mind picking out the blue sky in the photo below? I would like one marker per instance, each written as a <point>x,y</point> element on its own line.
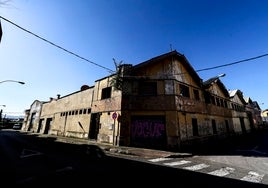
<point>209,33</point>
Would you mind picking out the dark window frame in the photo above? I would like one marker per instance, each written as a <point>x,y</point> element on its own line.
<point>196,94</point>
<point>148,88</point>
<point>106,93</point>
<point>184,91</point>
<point>195,127</point>
<point>214,126</point>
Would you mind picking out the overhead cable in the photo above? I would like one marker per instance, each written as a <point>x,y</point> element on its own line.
<point>111,71</point>
<point>56,45</point>
<point>229,64</point>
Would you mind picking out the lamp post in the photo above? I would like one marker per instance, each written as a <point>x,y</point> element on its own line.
<point>1,111</point>
<point>20,82</point>
<point>215,78</point>
<point>221,75</point>
<point>1,119</point>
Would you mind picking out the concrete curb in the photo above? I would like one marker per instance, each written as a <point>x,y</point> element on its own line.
<point>118,150</point>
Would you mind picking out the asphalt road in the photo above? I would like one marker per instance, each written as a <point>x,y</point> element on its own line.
<point>27,160</point>
<point>248,152</point>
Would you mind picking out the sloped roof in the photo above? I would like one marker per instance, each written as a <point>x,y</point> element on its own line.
<point>172,54</point>
<point>253,104</point>
<point>239,93</point>
<point>256,105</point>
<point>209,82</point>
<point>37,101</point>
<point>247,99</point>
<point>232,92</point>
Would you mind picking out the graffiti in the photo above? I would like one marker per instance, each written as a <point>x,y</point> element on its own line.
<point>147,129</point>
<point>80,125</point>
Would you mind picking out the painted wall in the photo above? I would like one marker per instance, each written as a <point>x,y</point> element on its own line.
<point>108,126</point>
<point>70,114</point>
<point>32,118</point>
<point>177,110</point>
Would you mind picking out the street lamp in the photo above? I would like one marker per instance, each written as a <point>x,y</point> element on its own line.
<point>12,81</point>
<point>221,75</point>
<point>217,77</point>
<point>1,111</point>
<point>213,79</point>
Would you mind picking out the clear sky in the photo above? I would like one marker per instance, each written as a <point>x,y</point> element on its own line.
<point>208,32</point>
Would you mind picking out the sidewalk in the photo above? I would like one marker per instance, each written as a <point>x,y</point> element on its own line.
<point>219,147</point>
<point>119,150</point>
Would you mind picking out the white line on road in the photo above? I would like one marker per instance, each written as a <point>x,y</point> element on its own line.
<point>222,172</point>
<point>196,167</point>
<point>29,153</point>
<point>159,159</point>
<point>177,163</point>
<point>253,177</point>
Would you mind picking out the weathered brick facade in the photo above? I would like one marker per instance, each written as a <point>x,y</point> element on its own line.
<point>162,104</point>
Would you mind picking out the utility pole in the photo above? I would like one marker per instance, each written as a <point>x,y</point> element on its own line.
<point>1,111</point>
<point>1,31</point>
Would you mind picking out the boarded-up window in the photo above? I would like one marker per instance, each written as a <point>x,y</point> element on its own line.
<point>169,88</point>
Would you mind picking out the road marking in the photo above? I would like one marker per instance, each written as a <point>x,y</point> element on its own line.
<point>67,168</point>
<point>29,153</point>
<point>222,172</point>
<point>253,177</point>
<point>159,159</point>
<point>253,150</point>
<point>177,163</point>
<point>196,167</point>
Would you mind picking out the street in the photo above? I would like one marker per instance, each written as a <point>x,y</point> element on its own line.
<point>30,160</point>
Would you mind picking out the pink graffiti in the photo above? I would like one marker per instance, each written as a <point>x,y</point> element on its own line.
<point>147,129</point>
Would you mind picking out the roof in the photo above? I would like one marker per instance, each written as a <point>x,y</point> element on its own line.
<point>172,54</point>
<point>256,105</point>
<point>210,81</point>
<point>247,99</point>
<point>239,93</point>
<point>216,79</point>
<point>232,92</point>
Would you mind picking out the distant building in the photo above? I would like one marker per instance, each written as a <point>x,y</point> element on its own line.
<point>32,117</point>
<point>264,116</point>
<point>254,113</point>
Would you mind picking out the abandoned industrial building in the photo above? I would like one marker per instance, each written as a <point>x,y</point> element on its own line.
<point>161,103</point>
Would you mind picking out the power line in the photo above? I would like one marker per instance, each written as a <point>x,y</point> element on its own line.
<point>229,64</point>
<point>111,71</point>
